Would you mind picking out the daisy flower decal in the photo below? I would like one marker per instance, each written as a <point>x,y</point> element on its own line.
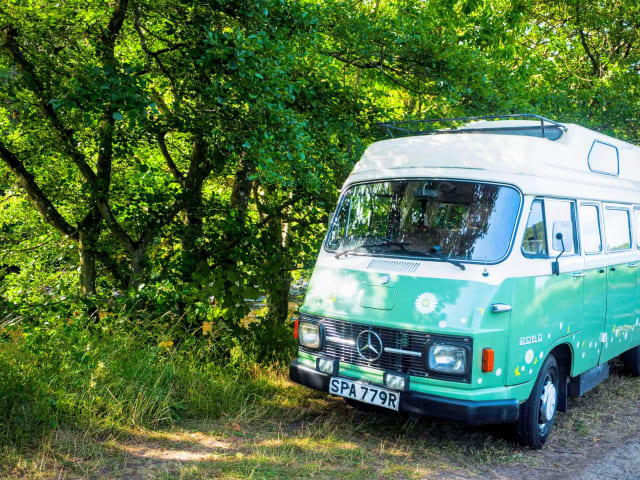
<point>426,303</point>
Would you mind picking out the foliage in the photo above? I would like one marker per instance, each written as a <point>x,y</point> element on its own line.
<point>196,149</point>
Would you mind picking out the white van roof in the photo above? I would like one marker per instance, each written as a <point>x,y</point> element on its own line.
<point>581,160</point>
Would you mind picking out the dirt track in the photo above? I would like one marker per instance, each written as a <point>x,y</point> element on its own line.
<point>622,463</point>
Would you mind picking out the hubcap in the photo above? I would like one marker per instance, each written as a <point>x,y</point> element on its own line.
<point>548,401</point>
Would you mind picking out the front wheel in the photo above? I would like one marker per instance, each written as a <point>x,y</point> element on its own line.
<point>537,414</point>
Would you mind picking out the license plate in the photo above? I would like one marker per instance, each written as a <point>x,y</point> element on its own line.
<point>364,393</point>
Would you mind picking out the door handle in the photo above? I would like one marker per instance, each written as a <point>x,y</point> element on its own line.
<point>500,308</point>
<point>632,264</point>
<point>601,270</point>
<point>613,269</point>
<point>578,274</point>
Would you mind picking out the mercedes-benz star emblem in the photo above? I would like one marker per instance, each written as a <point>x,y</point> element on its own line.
<point>369,345</point>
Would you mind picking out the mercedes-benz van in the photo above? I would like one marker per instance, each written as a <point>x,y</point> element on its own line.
<point>482,273</point>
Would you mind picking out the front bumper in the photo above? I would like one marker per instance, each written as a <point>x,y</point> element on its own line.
<point>474,413</point>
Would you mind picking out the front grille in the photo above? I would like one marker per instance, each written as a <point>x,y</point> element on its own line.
<point>391,338</point>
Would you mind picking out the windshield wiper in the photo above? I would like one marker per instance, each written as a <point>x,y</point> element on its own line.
<point>403,247</point>
<point>438,257</point>
<point>386,243</point>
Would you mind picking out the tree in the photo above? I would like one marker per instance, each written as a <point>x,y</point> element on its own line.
<point>165,108</point>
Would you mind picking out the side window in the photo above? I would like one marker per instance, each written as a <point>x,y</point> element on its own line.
<point>534,242</point>
<point>561,218</point>
<point>618,233</point>
<point>636,217</point>
<point>591,232</point>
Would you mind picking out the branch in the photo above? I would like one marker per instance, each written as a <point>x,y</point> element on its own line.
<point>168,159</point>
<point>160,222</point>
<point>583,39</point>
<point>112,223</point>
<point>105,151</point>
<point>109,35</point>
<point>279,213</point>
<point>99,183</point>
<point>10,46</point>
<point>380,67</point>
<point>37,196</point>
<point>155,55</point>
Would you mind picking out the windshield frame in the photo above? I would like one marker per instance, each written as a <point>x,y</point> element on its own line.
<point>399,255</point>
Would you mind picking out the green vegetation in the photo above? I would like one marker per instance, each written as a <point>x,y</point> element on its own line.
<point>100,377</point>
<point>161,162</point>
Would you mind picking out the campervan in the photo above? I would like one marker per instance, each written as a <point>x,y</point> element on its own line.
<point>482,273</point>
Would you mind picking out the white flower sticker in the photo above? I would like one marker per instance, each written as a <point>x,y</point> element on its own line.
<point>529,356</point>
<point>426,303</point>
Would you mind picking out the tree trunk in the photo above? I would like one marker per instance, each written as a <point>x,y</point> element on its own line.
<point>86,250</point>
<point>137,267</point>
<point>87,244</point>
<point>278,297</point>
<point>280,283</point>
<point>193,256</point>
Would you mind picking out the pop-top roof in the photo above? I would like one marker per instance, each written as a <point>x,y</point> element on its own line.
<point>506,150</point>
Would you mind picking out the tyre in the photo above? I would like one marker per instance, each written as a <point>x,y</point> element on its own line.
<point>631,359</point>
<point>537,414</point>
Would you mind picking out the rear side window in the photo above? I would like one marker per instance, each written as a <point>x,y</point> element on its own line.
<point>618,233</point>
<point>591,232</point>
<point>534,243</point>
<point>560,217</point>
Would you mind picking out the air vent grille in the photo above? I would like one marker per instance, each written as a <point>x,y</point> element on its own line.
<point>393,266</point>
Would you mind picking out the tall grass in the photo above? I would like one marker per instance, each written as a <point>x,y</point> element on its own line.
<point>120,373</point>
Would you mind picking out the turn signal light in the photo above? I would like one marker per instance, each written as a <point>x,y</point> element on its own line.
<point>487,359</point>
<point>295,329</point>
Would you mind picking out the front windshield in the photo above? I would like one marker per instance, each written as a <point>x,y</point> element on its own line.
<point>449,219</point>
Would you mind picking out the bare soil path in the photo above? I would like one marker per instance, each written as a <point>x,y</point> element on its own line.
<point>622,462</point>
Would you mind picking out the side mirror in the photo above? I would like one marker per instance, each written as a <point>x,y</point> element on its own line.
<point>555,266</point>
<point>561,230</point>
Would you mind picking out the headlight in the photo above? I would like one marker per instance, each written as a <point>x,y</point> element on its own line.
<point>450,359</point>
<point>309,335</point>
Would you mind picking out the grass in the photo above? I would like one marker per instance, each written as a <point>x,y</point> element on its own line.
<point>298,433</point>
<point>113,404</point>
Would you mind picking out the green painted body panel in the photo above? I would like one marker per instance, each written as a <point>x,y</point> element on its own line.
<point>621,310</point>
<point>547,308</point>
<point>547,311</point>
<point>595,309</point>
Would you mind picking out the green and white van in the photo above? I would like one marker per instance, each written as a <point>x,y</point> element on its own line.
<point>482,273</point>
